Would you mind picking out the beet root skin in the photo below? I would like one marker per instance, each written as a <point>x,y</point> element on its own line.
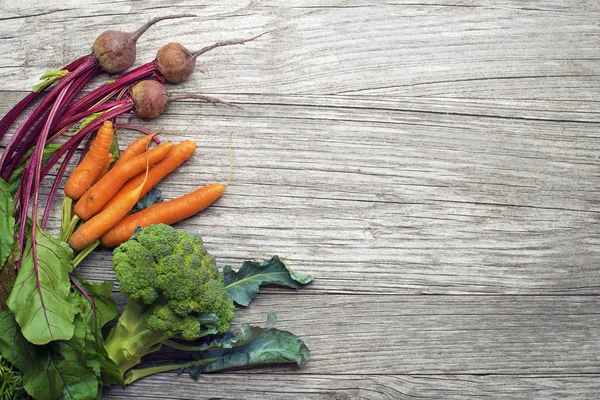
<point>150,98</point>
<point>175,62</point>
<point>114,51</point>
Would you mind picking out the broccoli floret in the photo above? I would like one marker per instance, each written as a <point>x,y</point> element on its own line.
<point>172,282</point>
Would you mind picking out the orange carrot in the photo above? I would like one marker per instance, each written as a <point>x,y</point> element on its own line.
<point>167,212</point>
<point>92,164</point>
<point>137,147</point>
<point>178,154</point>
<point>106,167</point>
<point>100,223</point>
<point>94,199</point>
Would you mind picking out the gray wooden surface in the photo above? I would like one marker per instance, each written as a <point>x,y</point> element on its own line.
<point>434,163</point>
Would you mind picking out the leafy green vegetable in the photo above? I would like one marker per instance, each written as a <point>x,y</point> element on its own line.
<point>248,346</point>
<point>7,222</point>
<point>48,79</point>
<point>154,196</point>
<point>53,371</point>
<point>39,296</point>
<point>86,121</point>
<point>242,286</point>
<point>11,382</point>
<point>253,346</point>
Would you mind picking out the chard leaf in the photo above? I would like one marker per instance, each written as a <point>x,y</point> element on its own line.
<point>52,371</point>
<point>48,79</point>
<point>242,286</point>
<point>250,346</point>
<point>106,308</point>
<point>154,196</point>
<point>7,222</point>
<point>39,296</point>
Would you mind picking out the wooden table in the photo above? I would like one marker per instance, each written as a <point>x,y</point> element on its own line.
<point>435,164</point>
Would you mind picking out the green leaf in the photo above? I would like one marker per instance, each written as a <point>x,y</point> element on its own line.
<point>114,149</point>
<point>106,308</point>
<point>154,196</point>
<point>39,296</point>
<point>7,222</point>
<point>250,346</point>
<point>242,286</point>
<point>88,120</point>
<point>49,78</point>
<point>52,371</point>
<point>11,382</point>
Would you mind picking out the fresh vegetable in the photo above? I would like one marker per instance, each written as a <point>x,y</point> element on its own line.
<point>104,171</point>
<point>115,50</point>
<point>94,162</point>
<point>100,223</point>
<point>176,63</point>
<point>167,212</point>
<point>102,191</point>
<point>178,154</point>
<point>137,147</point>
<point>11,382</point>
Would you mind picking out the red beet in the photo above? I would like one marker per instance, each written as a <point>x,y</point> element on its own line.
<point>176,63</point>
<point>115,50</point>
<point>150,98</point>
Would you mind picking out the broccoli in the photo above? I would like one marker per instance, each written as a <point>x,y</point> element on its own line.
<point>175,292</point>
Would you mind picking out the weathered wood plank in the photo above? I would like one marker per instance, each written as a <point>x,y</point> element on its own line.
<point>443,49</point>
<point>427,335</point>
<point>371,197</point>
<point>347,387</point>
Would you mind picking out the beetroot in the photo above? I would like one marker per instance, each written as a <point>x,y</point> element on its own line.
<point>150,98</point>
<point>115,50</point>
<point>176,63</point>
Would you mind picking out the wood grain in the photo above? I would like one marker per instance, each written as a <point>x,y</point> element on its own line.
<point>434,163</point>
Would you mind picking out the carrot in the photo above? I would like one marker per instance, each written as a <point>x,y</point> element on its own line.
<point>138,146</point>
<point>178,154</point>
<point>92,164</point>
<point>106,167</point>
<point>167,212</point>
<point>94,199</point>
<point>100,223</point>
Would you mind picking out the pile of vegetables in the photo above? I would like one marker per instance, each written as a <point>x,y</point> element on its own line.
<point>55,341</point>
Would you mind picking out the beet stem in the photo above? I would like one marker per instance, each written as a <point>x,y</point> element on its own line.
<point>225,43</point>
<point>38,112</point>
<point>34,177</point>
<point>209,99</point>
<point>59,175</point>
<point>138,128</point>
<point>79,136</point>
<point>29,139</point>
<point>136,35</point>
<point>17,110</point>
<point>91,98</point>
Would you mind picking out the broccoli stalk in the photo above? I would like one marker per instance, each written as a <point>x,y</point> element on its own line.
<point>130,339</point>
<point>175,292</point>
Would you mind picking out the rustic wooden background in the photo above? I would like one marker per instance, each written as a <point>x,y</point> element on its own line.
<point>434,163</point>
